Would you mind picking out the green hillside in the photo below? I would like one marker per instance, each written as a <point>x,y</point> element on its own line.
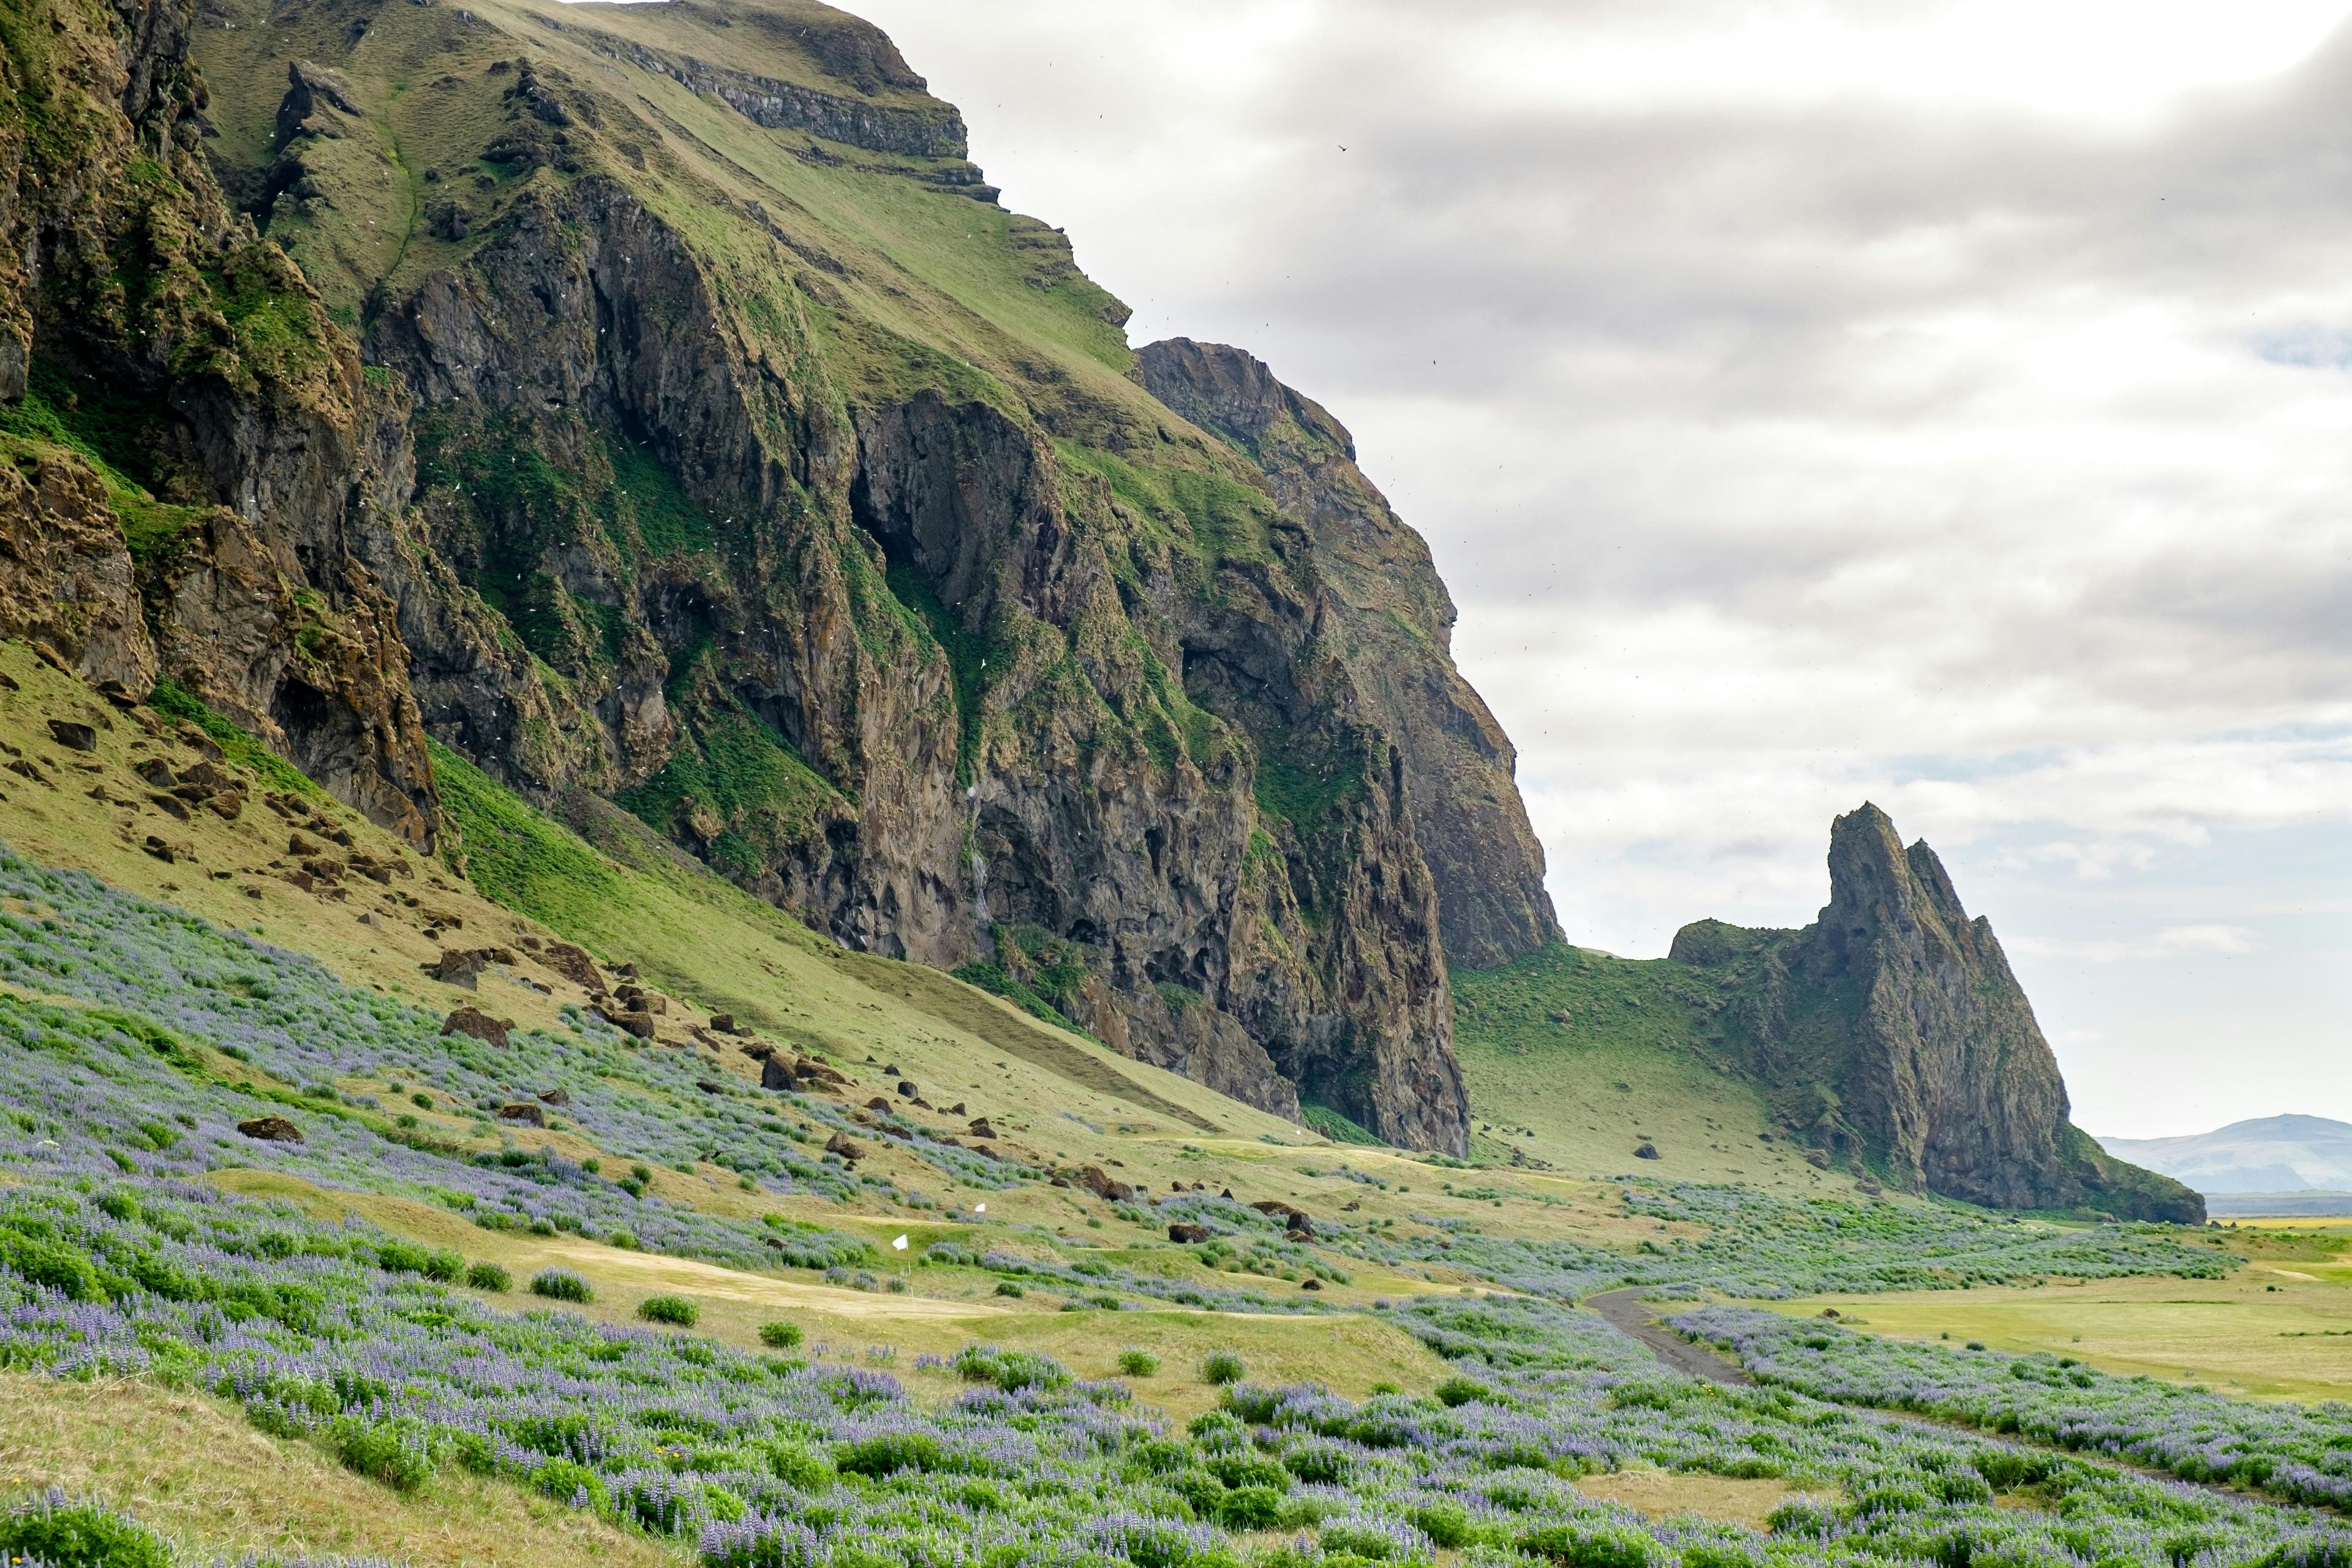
<point>1575,1060</point>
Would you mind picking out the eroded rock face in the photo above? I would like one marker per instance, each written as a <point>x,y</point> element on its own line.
<point>239,452</point>
<point>1892,1029</point>
<point>655,492</point>
<point>1394,627</point>
<point>964,784</point>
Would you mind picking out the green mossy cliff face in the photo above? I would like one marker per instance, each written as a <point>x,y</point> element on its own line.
<point>1892,1031</point>
<point>191,445</point>
<point>725,452</point>
<point>1392,621</point>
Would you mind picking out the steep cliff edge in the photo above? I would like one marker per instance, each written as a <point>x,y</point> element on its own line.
<point>1392,622</point>
<point>193,449</point>
<point>1892,1031</point>
<point>758,473</point>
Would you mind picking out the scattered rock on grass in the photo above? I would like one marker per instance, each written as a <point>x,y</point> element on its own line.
<point>475,1022</point>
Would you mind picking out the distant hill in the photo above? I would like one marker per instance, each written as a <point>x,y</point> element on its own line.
<point>2268,1154</point>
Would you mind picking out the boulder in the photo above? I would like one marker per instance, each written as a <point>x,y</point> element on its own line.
<point>840,1145</point>
<point>271,1130</point>
<point>1294,1220</point>
<point>479,1024</point>
<point>1188,1235</point>
<point>1106,1188</point>
<point>524,1114</point>
<point>73,737</point>
<point>574,964</point>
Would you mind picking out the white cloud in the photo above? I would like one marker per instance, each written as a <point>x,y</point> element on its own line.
<point>2227,940</point>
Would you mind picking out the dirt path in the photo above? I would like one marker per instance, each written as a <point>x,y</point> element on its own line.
<point>1625,1310</point>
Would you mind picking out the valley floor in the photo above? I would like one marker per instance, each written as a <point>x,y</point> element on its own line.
<point>826,1260</point>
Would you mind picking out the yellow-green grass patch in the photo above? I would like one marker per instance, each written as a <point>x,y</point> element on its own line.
<point>2260,1333</point>
<point>191,1468</point>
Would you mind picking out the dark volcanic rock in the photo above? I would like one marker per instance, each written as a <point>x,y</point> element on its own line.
<point>1892,1029</point>
<point>271,1130</point>
<point>617,511</point>
<point>248,589</point>
<point>475,1022</point>
<point>1394,628</point>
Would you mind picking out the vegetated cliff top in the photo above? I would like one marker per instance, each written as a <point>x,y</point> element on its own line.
<point>724,452</point>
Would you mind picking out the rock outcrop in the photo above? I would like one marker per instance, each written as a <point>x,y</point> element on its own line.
<point>847,554</point>
<point>1392,624</point>
<point>194,447</point>
<point>1891,1032</point>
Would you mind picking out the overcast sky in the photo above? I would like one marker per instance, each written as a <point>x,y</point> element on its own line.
<point>1944,405</point>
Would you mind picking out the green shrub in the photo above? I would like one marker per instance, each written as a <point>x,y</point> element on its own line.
<point>675,1311</point>
<point>63,1534</point>
<point>562,1285</point>
<point>1804,1516</point>
<point>1591,1545</point>
<point>51,1263</point>
<point>402,1256</point>
<point>1009,1288</point>
<point>489,1277</point>
<point>781,1336</point>
<point>1011,1371</point>
<point>1458,1390</point>
<point>1138,1363</point>
<point>384,1451</point>
<point>567,1482</point>
<point>1223,1367</point>
<point>889,1453</point>
<point>798,1469</point>
<point>1250,1508</point>
<point>1447,1524</point>
<point>1357,1541</point>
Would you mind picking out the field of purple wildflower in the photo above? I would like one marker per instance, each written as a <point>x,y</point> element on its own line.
<point>117,1259</point>
<point>2303,1453</point>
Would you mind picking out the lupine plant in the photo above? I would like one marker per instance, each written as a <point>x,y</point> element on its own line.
<point>120,1086</point>
<point>2300,1452</point>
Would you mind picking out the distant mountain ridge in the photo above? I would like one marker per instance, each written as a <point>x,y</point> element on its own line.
<point>2265,1154</point>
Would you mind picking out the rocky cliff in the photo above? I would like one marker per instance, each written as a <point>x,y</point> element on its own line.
<point>1392,621</point>
<point>653,404</point>
<point>1892,1032</point>
<point>193,447</point>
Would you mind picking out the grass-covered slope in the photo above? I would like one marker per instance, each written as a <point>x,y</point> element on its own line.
<point>1580,1060</point>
